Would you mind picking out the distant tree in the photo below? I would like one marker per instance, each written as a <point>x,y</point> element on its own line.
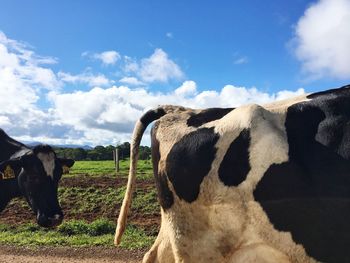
<point>79,154</point>
<point>92,155</point>
<point>109,152</point>
<point>102,152</point>
<point>124,150</point>
<point>144,153</point>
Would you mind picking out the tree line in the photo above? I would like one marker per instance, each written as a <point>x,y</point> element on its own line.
<point>100,152</point>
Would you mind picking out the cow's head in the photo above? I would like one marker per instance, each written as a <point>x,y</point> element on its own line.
<point>38,173</point>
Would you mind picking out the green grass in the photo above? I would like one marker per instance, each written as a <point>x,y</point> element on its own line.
<point>76,233</point>
<point>145,202</point>
<point>80,227</point>
<point>89,199</point>
<point>98,168</point>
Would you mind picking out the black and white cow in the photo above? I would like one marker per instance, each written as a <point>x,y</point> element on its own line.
<point>33,173</point>
<point>256,183</point>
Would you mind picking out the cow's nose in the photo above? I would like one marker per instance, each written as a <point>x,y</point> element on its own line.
<point>56,220</point>
<point>45,221</point>
<point>42,220</point>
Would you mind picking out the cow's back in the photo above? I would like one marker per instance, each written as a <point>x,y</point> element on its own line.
<point>8,146</point>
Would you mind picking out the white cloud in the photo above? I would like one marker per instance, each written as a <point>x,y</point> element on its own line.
<point>85,78</point>
<point>189,87</point>
<point>15,95</point>
<point>322,39</point>
<point>102,116</point>
<point>8,59</point>
<point>131,65</point>
<point>105,116</point>
<point>159,68</point>
<point>233,96</point>
<point>107,57</point>
<point>156,68</point>
<point>131,81</point>
<point>169,35</point>
<point>22,79</point>
<point>25,66</point>
<point>4,121</point>
<point>95,108</point>
<point>285,94</point>
<point>241,60</point>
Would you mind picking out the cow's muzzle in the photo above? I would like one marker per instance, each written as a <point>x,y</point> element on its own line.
<point>46,221</point>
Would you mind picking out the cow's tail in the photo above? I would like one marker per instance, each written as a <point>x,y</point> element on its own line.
<point>139,129</point>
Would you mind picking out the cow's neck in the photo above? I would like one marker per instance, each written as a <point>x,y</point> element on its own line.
<point>8,189</point>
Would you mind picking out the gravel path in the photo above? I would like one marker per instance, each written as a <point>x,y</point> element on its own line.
<point>12,254</point>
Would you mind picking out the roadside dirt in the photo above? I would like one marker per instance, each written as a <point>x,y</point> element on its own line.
<point>10,254</point>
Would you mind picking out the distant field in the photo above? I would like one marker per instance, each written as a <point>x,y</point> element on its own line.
<point>90,196</point>
<point>99,168</point>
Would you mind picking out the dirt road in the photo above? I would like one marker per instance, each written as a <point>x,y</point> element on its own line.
<point>13,254</point>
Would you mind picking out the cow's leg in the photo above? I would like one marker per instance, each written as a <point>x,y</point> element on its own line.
<point>261,253</point>
<point>161,251</point>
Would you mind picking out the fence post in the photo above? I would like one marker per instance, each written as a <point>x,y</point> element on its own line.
<point>116,159</point>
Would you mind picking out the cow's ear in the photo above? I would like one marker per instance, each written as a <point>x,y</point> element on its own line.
<point>8,167</point>
<point>66,164</point>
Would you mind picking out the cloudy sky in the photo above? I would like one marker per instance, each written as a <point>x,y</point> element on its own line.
<point>82,72</point>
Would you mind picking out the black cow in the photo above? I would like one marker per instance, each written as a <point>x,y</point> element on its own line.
<point>33,173</point>
<point>256,183</point>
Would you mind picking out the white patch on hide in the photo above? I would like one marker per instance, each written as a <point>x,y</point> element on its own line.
<point>48,161</point>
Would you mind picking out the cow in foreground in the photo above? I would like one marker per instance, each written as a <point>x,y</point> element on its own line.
<point>256,183</point>
<point>33,173</point>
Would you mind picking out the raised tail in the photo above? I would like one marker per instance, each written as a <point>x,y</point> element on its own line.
<point>139,129</point>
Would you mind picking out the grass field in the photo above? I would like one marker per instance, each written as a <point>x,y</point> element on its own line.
<point>90,196</point>
<point>98,168</point>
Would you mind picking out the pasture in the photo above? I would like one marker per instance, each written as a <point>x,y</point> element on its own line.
<point>90,196</point>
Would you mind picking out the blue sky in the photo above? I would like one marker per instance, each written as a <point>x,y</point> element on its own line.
<point>83,71</point>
